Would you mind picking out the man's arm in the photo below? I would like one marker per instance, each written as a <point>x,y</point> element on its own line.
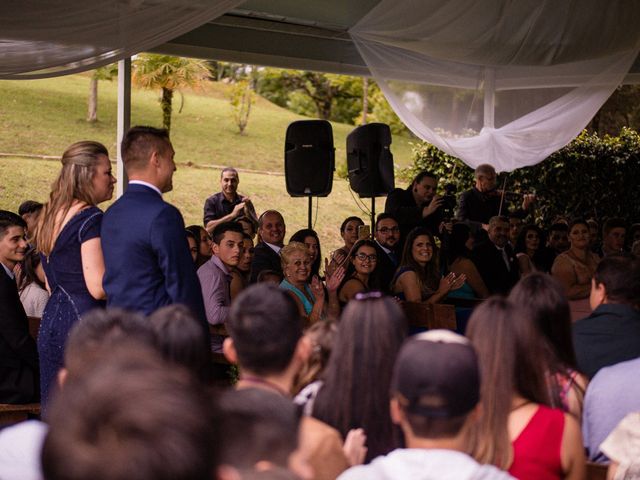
<point>214,295</point>
<point>397,206</point>
<point>235,213</point>
<point>14,327</point>
<point>464,211</point>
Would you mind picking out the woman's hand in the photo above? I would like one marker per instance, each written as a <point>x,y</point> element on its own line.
<point>316,288</point>
<point>354,446</point>
<point>335,279</point>
<point>451,282</point>
<point>338,260</point>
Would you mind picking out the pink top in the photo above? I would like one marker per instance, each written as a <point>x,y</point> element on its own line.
<point>536,451</point>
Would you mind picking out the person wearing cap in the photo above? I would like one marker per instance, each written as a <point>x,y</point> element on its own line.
<point>433,406</point>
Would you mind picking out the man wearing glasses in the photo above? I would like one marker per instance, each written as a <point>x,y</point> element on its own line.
<point>387,237</point>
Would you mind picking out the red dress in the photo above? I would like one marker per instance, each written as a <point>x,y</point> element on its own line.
<point>536,451</point>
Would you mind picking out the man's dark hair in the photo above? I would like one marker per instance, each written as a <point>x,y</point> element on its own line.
<point>268,273</point>
<point>385,216</point>
<point>139,143</point>
<point>131,416</point>
<point>9,219</point>
<point>29,206</point>
<point>424,174</point>
<point>218,232</point>
<point>265,326</point>
<point>612,223</point>
<point>559,227</point>
<point>433,427</point>
<point>620,275</point>
<point>229,169</point>
<point>179,337</point>
<point>256,425</point>
<point>98,331</point>
<point>343,226</point>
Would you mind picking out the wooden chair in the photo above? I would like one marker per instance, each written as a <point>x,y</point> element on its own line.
<point>596,471</point>
<point>426,315</point>
<point>10,414</point>
<point>34,326</point>
<point>464,302</point>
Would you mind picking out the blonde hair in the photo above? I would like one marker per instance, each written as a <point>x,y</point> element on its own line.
<point>74,182</point>
<point>290,249</point>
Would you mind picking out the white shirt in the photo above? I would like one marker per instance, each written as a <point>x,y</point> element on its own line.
<point>9,272</point>
<point>273,247</point>
<point>146,184</point>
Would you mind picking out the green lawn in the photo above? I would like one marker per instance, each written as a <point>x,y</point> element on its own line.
<point>43,117</point>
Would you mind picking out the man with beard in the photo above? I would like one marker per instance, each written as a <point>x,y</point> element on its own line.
<point>387,236</point>
<point>227,205</point>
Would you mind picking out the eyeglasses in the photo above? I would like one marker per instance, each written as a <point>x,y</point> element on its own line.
<point>368,295</point>
<point>363,256</point>
<point>389,230</point>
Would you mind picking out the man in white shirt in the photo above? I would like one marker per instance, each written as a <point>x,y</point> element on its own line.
<point>432,406</point>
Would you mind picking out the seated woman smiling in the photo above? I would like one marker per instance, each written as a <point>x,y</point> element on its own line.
<point>309,296</point>
<point>418,276</point>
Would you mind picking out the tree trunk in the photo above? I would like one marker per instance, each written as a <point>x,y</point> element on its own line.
<point>365,100</point>
<point>167,98</point>
<point>92,110</point>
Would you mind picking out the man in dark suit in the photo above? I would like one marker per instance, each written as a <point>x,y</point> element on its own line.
<point>18,352</point>
<point>387,236</point>
<point>146,254</point>
<point>266,254</point>
<point>495,259</point>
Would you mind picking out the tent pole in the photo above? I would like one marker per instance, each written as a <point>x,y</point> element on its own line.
<point>489,97</point>
<point>124,120</point>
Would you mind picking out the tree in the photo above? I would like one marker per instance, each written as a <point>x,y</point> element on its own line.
<point>168,73</point>
<point>241,100</point>
<point>103,73</point>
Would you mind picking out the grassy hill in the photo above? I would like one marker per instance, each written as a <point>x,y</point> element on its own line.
<point>43,117</point>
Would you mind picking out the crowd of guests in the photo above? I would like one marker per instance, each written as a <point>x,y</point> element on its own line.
<point>332,381</point>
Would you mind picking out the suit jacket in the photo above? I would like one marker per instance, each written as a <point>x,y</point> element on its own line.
<point>146,255</point>
<point>385,269</point>
<point>264,258</point>
<point>19,369</point>
<point>493,270</point>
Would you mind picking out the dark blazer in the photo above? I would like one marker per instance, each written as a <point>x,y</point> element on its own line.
<point>401,204</point>
<point>264,258</point>
<point>146,255</point>
<point>385,268</point>
<point>19,369</point>
<point>489,261</point>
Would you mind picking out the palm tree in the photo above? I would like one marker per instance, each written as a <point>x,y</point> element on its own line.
<point>108,72</point>
<point>169,73</point>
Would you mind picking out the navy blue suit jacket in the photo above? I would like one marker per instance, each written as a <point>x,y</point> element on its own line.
<point>146,255</point>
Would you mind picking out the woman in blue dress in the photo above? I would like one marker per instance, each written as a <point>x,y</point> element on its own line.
<point>68,239</point>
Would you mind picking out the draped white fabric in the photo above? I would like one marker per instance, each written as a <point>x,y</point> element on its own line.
<point>498,81</point>
<point>45,38</point>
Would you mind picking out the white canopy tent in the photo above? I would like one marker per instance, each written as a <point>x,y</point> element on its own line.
<point>490,81</point>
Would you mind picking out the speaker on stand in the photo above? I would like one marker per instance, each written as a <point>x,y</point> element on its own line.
<point>309,160</point>
<point>370,163</point>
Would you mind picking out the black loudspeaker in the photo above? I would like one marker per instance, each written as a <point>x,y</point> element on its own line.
<point>370,161</point>
<point>309,158</point>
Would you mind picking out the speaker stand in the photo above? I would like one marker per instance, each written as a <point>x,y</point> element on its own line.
<point>373,214</point>
<point>310,212</point>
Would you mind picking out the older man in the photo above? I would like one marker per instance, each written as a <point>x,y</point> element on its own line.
<point>495,259</point>
<point>227,205</point>
<point>266,254</point>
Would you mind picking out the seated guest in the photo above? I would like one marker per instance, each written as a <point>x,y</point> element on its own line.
<point>204,243</point>
<point>349,234</point>
<point>266,254</point>
<point>387,237</point>
<point>227,205</point>
<point>613,236</point>
<point>458,257</point>
<point>260,432</point>
<point>308,292</point>
<point>595,245</point>
<point>33,292</point>
<point>215,275</point>
<point>360,274</point>
<point>133,416</point>
<point>416,206</point>
<point>519,431</point>
<point>495,259</point>
<point>193,246</point>
<point>542,301</point>
<point>418,278</point>
<point>310,238</point>
<point>355,390</point>
<point>613,393</point>
<point>611,334</point>
<point>574,269</point>
<point>270,276</point>
<point>531,252</point>
<point>179,339</point>
<point>434,407</point>
<point>18,352</point>
<point>634,235</point>
<point>249,226</point>
<point>240,273</point>
<point>515,227</point>
<point>29,211</point>
<point>266,341</point>
<point>558,238</point>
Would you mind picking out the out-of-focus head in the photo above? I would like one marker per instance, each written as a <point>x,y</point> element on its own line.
<point>559,237</point>
<point>616,280</point>
<point>613,235</point>
<point>515,227</point>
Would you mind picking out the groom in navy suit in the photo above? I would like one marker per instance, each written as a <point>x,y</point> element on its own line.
<point>146,254</point>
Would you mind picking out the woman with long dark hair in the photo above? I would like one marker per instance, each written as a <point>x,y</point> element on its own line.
<point>203,240</point>
<point>531,251</point>
<point>360,273</point>
<point>68,239</point>
<point>518,430</point>
<point>458,256</point>
<point>540,299</point>
<point>349,234</point>
<point>355,392</point>
<point>418,277</point>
